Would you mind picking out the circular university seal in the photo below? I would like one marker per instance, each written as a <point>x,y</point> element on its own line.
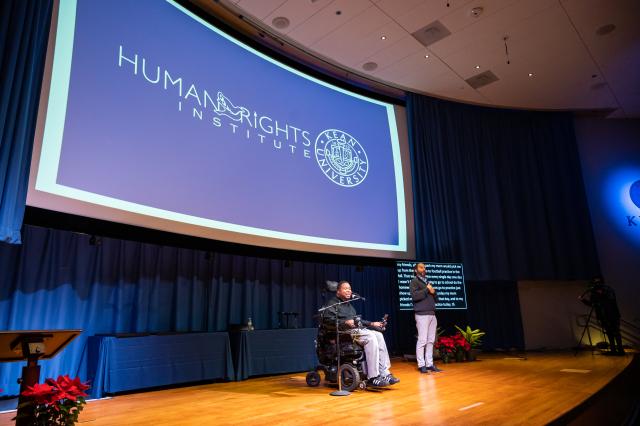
<point>341,158</point>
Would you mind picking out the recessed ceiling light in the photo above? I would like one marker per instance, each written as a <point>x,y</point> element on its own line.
<point>338,12</point>
<point>383,37</point>
<point>477,67</point>
<point>369,66</point>
<point>426,56</point>
<point>280,22</point>
<point>530,74</point>
<point>476,11</point>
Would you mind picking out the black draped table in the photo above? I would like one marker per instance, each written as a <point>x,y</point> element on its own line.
<point>261,352</point>
<point>130,363</point>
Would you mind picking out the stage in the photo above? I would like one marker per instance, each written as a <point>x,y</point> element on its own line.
<point>499,388</point>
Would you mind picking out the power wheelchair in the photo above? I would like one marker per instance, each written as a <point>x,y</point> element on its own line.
<point>352,361</point>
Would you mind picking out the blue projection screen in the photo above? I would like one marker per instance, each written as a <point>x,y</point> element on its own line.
<point>156,118</point>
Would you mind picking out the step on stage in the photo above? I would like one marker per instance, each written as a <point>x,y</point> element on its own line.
<point>497,389</point>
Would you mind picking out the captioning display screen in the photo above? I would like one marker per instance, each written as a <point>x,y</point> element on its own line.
<point>446,278</point>
<point>163,120</point>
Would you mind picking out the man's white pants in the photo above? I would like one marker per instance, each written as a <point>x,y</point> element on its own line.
<point>375,352</point>
<point>426,325</point>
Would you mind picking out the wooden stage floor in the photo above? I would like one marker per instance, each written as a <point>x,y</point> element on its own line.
<point>495,389</point>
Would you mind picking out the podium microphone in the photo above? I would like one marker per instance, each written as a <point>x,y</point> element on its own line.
<point>357,296</point>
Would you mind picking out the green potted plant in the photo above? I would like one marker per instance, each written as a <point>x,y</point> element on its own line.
<point>473,337</point>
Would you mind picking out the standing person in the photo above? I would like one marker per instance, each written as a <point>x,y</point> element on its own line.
<point>602,299</point>
<point>424,304</point>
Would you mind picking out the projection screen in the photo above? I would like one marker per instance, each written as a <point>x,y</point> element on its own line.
<point>153,117</point>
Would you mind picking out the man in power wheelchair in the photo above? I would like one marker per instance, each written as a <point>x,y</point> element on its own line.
<point>364,359</point>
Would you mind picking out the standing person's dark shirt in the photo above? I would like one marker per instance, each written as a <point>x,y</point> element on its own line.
<point>424,303</point>
<point>603,299</point>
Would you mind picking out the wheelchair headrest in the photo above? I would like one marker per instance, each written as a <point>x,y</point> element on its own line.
<point>332,286</point>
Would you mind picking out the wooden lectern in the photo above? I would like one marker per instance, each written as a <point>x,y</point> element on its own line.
<point>32,346</point>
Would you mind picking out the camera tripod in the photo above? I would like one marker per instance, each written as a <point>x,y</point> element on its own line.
<point>586,331</point>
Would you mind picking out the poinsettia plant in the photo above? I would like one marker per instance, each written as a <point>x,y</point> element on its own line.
<point>55,402</point>
<point>461,343</point>
<point>445,344</point>
<point>452,345</point>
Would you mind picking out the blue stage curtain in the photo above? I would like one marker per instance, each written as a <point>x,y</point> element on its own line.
<point>499,190</point>
<point>494,307</point>
<point>56,279</point>
<point>24,30</point>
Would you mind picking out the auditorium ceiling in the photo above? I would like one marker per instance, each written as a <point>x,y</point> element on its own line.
<point>559,54</point>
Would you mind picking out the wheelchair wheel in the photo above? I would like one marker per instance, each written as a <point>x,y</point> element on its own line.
<point>313,379</point>
<point>350,377</point>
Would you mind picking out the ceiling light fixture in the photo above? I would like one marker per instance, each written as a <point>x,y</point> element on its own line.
<point>530,74</point>
<point>477,67</point>
<point>369,66</point>
<point>383,37</point>
<point>426,56</point>
<point>476,11</point>
<point>280,22</point>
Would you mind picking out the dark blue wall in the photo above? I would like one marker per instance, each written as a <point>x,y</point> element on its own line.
<point>610,156</point>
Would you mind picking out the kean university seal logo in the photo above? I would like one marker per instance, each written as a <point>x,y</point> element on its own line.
<point>341,158</point>
<point>634,193</point>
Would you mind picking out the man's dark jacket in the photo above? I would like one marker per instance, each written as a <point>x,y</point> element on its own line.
<point>424,303</point>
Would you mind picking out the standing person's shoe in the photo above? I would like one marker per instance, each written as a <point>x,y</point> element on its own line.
<point>434,369</point>
<point>423,369</point>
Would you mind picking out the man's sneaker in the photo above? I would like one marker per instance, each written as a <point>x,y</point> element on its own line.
<point>423,369</point>
<point>392,379</point>
<point>379,382</point>
<point>434,369</point>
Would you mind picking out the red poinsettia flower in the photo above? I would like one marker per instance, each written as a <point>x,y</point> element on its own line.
<point>57,393</point>
<point>41,393</point>
<point>72,388</point>
<point>66,381</point>
<point>60,399</point>
<point>460,341</point>
<point>445,344</point>
<point>450,344</point>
